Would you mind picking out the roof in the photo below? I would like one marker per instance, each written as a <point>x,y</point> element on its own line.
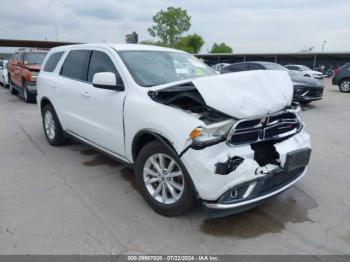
<point>118,47</point>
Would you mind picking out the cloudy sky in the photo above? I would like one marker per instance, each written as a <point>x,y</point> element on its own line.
<point>246,25</point>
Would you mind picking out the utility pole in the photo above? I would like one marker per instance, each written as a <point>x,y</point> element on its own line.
<point>324,42</point>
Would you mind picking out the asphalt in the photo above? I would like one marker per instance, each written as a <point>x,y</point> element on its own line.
<point>71,199</point>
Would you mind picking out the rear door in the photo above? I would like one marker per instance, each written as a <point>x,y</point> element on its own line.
<point>71,91</point>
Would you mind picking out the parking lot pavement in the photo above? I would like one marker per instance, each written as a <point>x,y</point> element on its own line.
<point>70,199</point>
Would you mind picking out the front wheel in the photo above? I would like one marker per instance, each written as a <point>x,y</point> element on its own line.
<point>164,182</point>
<point>344,86</point>
<point>28,97</point>
<point>13,91</point>
<point>52,127</point>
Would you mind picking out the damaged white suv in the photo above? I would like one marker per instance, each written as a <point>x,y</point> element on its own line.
<point>229,142</point>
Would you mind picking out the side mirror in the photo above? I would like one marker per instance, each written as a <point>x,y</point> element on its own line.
<point>107,80</point>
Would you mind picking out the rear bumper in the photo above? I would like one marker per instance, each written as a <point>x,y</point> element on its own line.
<point>335,81</point>
<point>216,209</point>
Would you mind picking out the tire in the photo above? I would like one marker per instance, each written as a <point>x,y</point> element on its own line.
<point>52,127</point>
<point>344,86</point>
<point>28,97</point>
<point>13,91</point>
<point>177,187</point>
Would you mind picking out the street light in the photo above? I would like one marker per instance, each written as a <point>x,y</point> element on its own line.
<point>324,42</point>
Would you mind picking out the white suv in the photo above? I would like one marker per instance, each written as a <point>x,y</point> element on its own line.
<point>229,141</point>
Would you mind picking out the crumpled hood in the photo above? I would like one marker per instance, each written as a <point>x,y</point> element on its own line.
<point>244,94</point>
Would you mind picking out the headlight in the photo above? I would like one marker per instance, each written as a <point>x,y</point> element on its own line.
<point>210,134</point>
<point>33,76</point>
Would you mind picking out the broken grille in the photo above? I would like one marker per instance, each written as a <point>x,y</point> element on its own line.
<point>272,127</point>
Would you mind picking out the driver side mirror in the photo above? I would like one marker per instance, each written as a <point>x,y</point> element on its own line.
<point>107,80</point>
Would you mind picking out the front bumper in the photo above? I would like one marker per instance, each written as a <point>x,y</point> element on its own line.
<point>258,196</point>
<point>307,94</point>
<point>201,165</point>
<point>31,87</point>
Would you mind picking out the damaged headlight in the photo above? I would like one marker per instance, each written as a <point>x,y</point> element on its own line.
<point>210,134</point>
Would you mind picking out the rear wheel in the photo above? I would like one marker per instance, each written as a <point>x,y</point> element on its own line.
<point>163,180</point>
<point>344,86</point>
<point>52,127</point>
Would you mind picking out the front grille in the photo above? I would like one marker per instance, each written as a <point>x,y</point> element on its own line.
<point>272,127</point>
<point>315,93</point>
<point>279,179</point>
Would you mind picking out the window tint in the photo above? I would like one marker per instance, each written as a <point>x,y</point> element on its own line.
<point>255,67</point>
<point>52,61</point>
<point>100,62</point>
<point>76,64</point>
<point>292,67</point>
<point>236,68</point>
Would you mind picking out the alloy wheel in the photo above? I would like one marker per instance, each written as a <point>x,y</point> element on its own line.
<point>163,178</point>
<point>345,86</point>
<point>49,123</point>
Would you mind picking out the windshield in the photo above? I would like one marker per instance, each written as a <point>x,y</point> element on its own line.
<point>34,58</point>
<point>150,68</point>
<point>272,66</point>
<point>305,68</point>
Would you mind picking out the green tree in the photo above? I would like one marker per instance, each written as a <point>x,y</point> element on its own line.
<point>150,42</point>
<point>220,48</point>
<point>169,25</point>
<point>190,43</point>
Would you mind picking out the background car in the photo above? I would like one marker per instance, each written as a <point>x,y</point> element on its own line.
<point>23,70</point>
<point>342,78</point>
<point>306,89</point>
<point>219,67</point>
<point>304,71</point>
<point>3,73</point>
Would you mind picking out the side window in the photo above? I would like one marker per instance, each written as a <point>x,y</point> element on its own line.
<point>76,64</point>
<point>237,68</point>
<point>52,61</point>
<point>101,62</point>
<point>254,67</point>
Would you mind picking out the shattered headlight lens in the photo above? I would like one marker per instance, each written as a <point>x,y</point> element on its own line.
<point>210,134</point>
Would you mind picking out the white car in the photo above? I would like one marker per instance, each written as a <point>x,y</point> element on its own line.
<point>3,73</point>
<point>305,71</point>
<point>229,142</point>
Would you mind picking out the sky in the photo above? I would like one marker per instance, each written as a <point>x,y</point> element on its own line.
<point>248,26</point>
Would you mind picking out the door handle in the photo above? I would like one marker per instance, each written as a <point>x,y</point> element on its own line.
<point>85,94</point>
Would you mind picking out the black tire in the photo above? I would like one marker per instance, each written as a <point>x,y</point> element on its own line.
<point>27,96</point>
<point>58,138</point>
<point>13,91</point>
<point>305,103</point>
<point>187,198</point>
<point>342,85</point>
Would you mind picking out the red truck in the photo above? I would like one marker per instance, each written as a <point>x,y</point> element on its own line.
<point>23,70</point>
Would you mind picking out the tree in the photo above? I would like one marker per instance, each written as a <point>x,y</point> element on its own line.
<point>190,43</point>
<point>150,42</point>
<point>221,48</point>
<point>169,25</point>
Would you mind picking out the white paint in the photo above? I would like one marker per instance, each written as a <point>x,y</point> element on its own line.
<point>112,119</point>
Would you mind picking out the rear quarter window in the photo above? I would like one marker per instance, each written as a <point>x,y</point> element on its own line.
<point>52,61</point>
